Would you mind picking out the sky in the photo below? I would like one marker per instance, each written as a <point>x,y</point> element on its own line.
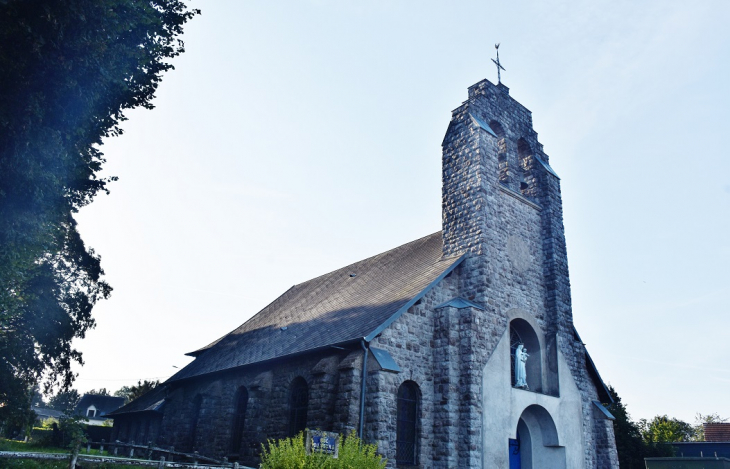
<point>294,138</point>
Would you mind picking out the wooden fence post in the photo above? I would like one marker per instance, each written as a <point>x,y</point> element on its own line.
<point>162,462</point>
<point>101,448</point>
<point>131,449</point>
<point>116,448</point>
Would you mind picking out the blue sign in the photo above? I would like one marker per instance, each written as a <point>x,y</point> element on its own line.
<point>322,442</point>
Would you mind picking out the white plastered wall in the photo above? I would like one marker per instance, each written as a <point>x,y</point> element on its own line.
<point>503,405</point>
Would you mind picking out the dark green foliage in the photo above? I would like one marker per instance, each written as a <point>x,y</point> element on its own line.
<point>630,442</point>
<point>130,393</point>
<point>291,453</point>
<point>68,71</point>
<point>65,401</point>
<point>36,398</point>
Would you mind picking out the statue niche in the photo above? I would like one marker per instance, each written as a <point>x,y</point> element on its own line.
<point>526,356</point>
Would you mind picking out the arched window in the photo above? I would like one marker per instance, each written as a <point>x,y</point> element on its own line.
<point>197,403</point>
<point>298,403</point>
<point>406,444</point>
<point>239,418</point>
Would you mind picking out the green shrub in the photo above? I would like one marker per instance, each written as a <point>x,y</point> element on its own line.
<point>290,453</point>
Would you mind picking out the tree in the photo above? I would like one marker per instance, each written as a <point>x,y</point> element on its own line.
<point>99,392</point>
<point>631,445</point>
<point>36,398</point>
<point>65,401</point>
<point>130,393</point>
<point>662,429</point>
<point>68,72</point>
<point>701,420</point>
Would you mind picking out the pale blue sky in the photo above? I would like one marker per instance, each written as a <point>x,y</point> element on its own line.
<point>297,137</point>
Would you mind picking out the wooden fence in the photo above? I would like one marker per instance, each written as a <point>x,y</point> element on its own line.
<point>134,455</point>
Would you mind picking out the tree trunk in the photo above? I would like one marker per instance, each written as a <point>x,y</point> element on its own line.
<point>74,456</point>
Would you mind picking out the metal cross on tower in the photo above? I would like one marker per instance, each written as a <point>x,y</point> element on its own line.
<point>499,65</point>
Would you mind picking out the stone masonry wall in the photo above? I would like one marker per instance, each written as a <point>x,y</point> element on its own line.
<point>333,380</point>
<point>415,344</point>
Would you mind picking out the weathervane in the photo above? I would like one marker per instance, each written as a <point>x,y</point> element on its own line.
<point>499,65</point>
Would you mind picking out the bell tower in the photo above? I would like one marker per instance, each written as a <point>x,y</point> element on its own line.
<point>502,205</point>
<point>502,208</point>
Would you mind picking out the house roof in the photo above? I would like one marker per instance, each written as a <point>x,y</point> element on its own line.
<point>45,412</point>
<point>717,431</point>
<point>103,404</point>
<point>348,304</point>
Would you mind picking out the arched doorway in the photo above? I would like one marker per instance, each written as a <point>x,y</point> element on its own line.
<point>536,442</point>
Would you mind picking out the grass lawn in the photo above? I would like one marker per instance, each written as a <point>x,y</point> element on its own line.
<point>31,447</point>
<point>21,446</point>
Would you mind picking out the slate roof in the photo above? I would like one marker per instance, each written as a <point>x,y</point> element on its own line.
<point>103,404</point>
<point>45,412</point>
<point>151,401</point>
<point>342,306</point>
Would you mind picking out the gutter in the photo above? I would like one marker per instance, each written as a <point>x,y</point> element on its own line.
<point>366,351</point>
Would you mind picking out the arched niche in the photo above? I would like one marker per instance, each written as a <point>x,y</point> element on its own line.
<point>522,333</point>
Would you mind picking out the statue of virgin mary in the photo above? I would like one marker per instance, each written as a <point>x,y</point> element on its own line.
<point>520,361</point>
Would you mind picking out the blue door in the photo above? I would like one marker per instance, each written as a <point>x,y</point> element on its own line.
<point>515,462</point>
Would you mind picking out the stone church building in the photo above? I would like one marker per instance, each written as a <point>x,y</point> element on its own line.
<point>415,348</point>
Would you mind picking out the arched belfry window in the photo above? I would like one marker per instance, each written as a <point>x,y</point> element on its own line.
<point>406,444</point>
<point>497,129</point>
<point>239,418</point>
<point>504,169</point>
<point>195,412</point>
<point>524,338</point>
<point>524,152</point>
<point>298,404</point>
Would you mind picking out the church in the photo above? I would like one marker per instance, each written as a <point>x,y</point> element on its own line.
<point>456,350</point>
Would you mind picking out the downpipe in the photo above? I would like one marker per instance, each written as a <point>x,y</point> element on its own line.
<point>366,351</point>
